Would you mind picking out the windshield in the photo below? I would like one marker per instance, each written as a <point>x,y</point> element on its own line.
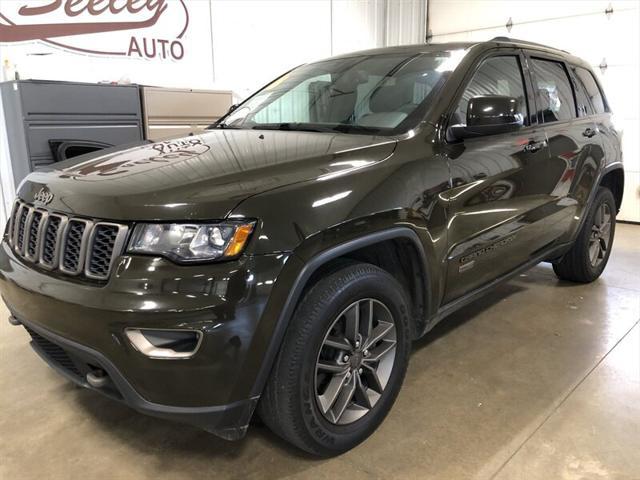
<point>373,94</point>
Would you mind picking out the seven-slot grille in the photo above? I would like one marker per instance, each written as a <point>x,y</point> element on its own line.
<point>57,242</point>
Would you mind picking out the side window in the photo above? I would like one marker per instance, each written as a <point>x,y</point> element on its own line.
<point>593,91</point>
<point>554,96</point>
<point>496,76</point>
<point>582,99</point>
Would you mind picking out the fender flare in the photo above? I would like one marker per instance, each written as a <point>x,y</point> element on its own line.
<point>612,167</point>
<point>583,218</point>
<point>311,266</point>
<point>592,195</point>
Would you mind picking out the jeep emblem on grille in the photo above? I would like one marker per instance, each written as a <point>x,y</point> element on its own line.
<point>44,196</point>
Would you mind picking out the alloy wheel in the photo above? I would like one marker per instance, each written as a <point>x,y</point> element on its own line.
<point>355,361</point>
<point>600,235</point>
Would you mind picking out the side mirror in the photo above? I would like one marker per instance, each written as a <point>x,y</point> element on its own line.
<point>489,115</point>
<point>232,108</point>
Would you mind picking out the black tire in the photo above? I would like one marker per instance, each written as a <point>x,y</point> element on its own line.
<point>577,265</point>
<point>289,405</point>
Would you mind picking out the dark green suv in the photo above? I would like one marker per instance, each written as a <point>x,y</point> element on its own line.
<point>284,260</point>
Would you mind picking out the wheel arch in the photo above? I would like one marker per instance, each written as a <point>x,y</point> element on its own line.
<point>613,179</point>
<point>323,261</point>
<point>609,177</point>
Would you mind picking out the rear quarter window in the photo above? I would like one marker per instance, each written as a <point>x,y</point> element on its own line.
<point>582,98</point>
<point>592,88</point>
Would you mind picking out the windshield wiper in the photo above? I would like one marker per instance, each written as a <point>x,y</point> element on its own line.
<point>351,128</point>
<point>311,127</point>
<point>223,126</point>
<point>292,126</point>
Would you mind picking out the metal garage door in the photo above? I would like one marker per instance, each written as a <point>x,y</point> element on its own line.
<point>605,33</point>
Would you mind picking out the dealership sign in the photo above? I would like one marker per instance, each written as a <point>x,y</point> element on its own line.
<point>150,29</point>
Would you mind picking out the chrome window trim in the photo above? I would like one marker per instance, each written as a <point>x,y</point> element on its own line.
<point>118,246</point>
<point>83,246</point>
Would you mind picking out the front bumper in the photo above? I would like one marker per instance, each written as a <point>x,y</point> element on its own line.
<point>81,325</point>
<point>75,361</point>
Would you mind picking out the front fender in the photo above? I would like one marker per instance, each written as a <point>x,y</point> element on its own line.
<point>300,267</point>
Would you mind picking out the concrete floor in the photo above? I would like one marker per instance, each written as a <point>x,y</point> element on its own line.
<point>538,380</point>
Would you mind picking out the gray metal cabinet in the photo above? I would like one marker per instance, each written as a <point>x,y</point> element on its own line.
<point>51,121</point>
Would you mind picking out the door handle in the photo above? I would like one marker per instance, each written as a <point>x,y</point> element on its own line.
<point>533,146</point>
<point>589,132</point>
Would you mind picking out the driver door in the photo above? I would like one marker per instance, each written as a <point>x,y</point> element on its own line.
<point>501,183</point>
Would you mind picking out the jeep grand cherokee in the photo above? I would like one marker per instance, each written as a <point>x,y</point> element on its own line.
<point>284,260</point>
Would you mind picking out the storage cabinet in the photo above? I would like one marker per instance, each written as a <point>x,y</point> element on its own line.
<point>170,112</point>
<point>49,121</point>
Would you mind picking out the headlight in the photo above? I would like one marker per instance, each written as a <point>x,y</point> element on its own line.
<point>185,243</point>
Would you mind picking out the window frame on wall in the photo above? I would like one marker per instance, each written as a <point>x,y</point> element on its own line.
<point>531,122</point>
<point>532,55</point>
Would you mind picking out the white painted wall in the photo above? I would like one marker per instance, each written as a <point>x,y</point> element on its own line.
<point>35,59</point>
<point>267,38</point>
<point>580,27</point>
<point>236,44</point>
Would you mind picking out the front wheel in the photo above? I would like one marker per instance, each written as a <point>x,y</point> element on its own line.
<point>342,362</point>
<point>590,253</point>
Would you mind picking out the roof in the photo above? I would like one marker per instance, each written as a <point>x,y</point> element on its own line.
<point>432,47</point>
<point>410,49</point>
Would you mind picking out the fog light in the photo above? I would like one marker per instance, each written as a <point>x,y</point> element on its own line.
<point>167,344</point>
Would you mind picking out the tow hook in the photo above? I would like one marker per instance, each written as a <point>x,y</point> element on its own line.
<point>97,378</point>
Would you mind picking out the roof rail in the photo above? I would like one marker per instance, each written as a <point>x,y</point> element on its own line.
<point>525,42</point>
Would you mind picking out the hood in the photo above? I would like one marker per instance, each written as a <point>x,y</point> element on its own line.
<point>201,177</point>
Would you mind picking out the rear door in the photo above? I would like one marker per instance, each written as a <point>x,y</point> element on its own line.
<point>501,184</point>
<point>607,134</point>
<point>574,146</point>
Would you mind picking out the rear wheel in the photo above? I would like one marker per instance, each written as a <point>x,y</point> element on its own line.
<point>590,253</point>
<point>342,361</point>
